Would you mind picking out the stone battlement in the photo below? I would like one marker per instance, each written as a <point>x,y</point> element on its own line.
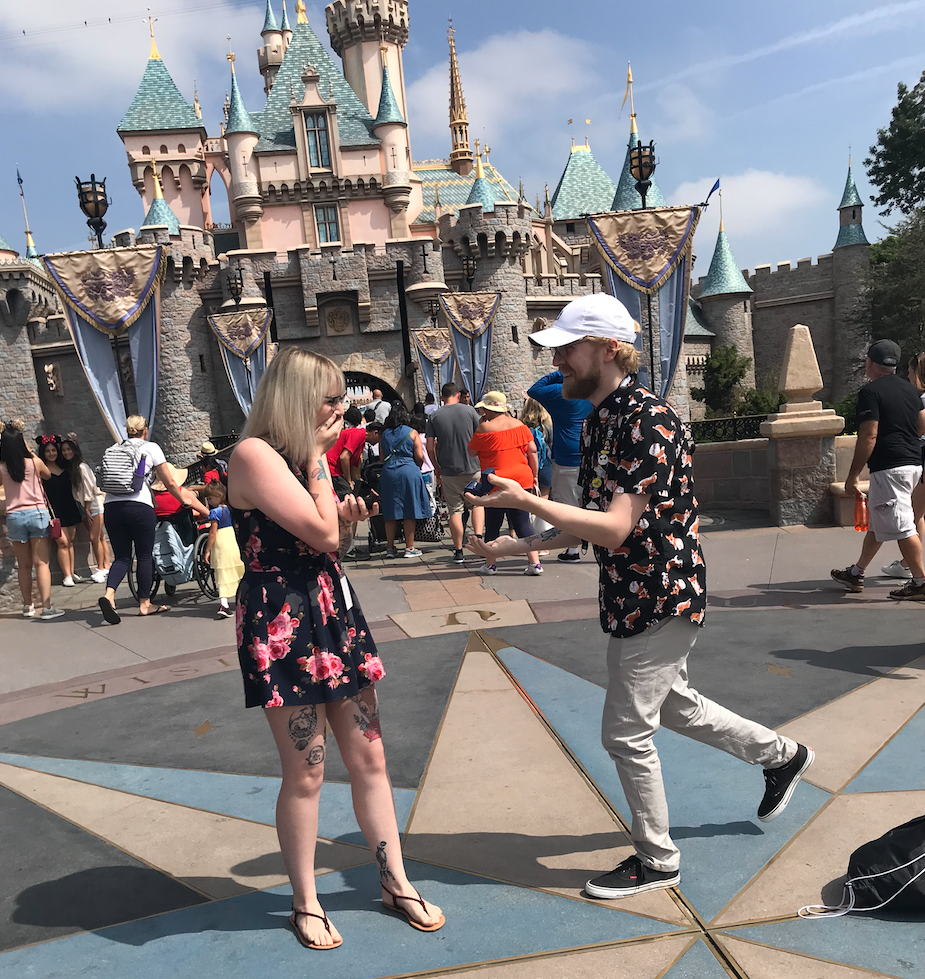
<point>352,21</point>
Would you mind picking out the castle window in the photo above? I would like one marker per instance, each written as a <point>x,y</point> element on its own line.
<point>854,215</point>
<point>163,150</point>
<point>181,148</point>
<point>570,228</point>
<point>328,226</point>
<point>316,127</point>
<point>145,151</point>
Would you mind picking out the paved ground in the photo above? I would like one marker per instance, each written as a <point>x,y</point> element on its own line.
<point>137,795</point>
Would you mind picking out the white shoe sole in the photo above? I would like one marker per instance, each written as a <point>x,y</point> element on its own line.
<point>782,805</point>
<point>890,572</point>
<point>612,894</point>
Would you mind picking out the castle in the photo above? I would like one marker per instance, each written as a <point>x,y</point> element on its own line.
<point>336,227</point>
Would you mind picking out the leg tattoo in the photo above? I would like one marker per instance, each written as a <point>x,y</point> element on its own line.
<point>302,726</point>
<point>383,861</point>
<point>316,755</point>
<point>368,718</point>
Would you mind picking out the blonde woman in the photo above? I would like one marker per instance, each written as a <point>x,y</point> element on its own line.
<point>539,421</point>
<point>305,651</point>
<point>130,522</point>
<point>898,569</point>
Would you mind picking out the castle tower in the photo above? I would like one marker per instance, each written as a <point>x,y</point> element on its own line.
<point>270,56</point>
<point>583,188</point>
<point>285,29</point>
<point>724,300</point>
<point>627,197</point>
<point>850,263</point>
<point>7,252</point>
<point>357,28</point>
<point>391,128</point>
<point>161,122</point>
<point>461,153</point>
<point>481,192</point>
<point>241,136</point>
<point>159,213</point>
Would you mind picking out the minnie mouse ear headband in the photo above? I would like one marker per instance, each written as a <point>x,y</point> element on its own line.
<point>14,424</point>
<point>48,439</point>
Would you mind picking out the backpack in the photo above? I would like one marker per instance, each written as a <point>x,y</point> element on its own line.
<point>122,471</point>
<point>541,450</point>
<point>889,871</point>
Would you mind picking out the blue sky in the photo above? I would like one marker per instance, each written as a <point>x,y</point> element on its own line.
<point>767,96</point>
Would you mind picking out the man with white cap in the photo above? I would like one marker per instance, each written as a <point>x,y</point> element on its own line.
<point>640,513</point>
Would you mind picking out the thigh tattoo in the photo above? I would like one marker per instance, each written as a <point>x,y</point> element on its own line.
<point>368,718</point>
<point>302,726</point>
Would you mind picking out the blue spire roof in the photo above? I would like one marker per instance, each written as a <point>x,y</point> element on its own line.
<point>160,213</point>
<point>274,122</point>
<point>627,197</point>
<point>269,21</point>
<point>851,197</point>
<point>5,246</point>
<point>851,234</point>
<point>158,104</point>
<point>389,112</point>
<point>31,251</point>
<point>239,120</point>
<point>584,187</point>
<point>725,277</point>
<point>284,23</point>
<point>694,325</point>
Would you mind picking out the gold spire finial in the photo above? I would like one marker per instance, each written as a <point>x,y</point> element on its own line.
<point>155,55</point>
<point>230,55</point>
<point>300,12</point>
<point>158,193</point>
<point>29,242</point>
<point>479,169</point>
<point>460,154</point>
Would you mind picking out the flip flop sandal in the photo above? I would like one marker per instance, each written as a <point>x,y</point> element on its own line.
<point>109,612</point>
<point>414,924</point>
<point>157,611</point>
<point>302,938</point>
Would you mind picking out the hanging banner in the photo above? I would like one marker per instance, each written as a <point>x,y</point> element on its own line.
<point>471,315</point>
<point>435,355</point>
<point>111,300</point>
<point>648,252</point>
<point>242,340</point>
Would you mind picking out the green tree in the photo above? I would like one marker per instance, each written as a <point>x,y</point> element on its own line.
<point>894,300</point>
<point>722,377</point>
<point>896,165</point>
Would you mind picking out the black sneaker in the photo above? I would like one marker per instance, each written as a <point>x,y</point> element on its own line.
<point>567,557</point>
<point>629,878</point>
<point>459,556</point>
<point>910,592</point>
<point>853,582</point>
<point>779,783</point>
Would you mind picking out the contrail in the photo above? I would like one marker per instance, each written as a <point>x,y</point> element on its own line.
<point>792,41</point>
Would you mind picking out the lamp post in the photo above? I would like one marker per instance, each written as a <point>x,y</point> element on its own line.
<point>433,306</point>
<point>469,266</point>
<point>94,203</point>
<point>236,285</point>
<point>642,166</point>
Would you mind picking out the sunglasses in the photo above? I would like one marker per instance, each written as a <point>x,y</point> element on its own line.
<point>335,400</point>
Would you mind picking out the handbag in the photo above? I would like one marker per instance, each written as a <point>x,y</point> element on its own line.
<point>54,524</point>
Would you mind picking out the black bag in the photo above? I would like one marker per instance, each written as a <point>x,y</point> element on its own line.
<point>428,529</point>
<point>886,873</point>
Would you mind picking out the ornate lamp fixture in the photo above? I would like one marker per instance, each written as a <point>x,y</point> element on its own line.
<point>236,285</point>
<point>94,203</point>
<point>642,166</point>
<point>469,266</point>
<point>433,306</point>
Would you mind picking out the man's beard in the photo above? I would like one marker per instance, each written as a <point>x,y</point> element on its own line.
<point>576,388</point>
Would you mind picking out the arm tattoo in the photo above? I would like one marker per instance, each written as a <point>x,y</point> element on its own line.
<point>546,536</point>
<point>383,861</point>
<point>319,473</point>
<point>368,718</point>
<point>302,726</point>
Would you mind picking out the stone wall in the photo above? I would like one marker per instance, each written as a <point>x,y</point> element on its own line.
<point>732,475</point>
<point>801,471</point>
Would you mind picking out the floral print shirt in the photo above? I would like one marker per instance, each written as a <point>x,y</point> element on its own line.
<point>633,442</point>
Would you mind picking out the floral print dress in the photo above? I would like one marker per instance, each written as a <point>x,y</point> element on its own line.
<point>302,638</point>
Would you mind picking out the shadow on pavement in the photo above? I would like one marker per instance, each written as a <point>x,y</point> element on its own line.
<point>872,661</point>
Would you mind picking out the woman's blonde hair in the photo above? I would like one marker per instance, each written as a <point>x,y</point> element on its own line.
<point>920,372</point>
<point>288,399</point>
<point>135,426</point>
<point>535,415</point>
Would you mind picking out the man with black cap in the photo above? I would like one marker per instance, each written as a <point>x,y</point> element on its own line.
<point>640,513</point>
<point>890,422</point>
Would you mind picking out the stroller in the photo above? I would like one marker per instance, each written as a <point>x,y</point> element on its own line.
<point>427,529</point>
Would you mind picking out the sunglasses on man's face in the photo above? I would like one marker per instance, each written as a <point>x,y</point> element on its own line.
<point>336,399</point>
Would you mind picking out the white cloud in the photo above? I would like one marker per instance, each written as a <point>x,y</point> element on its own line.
<point>762,210</point>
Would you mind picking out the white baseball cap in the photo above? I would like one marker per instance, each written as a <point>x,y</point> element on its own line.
<point>598,315</point>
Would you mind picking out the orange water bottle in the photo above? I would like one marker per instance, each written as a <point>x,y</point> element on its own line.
<point>861,514</point>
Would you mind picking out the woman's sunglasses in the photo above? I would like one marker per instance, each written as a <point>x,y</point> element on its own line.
<point>335,400</point>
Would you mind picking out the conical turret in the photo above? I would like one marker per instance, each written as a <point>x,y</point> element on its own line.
<point>481,192</point>
<point>159,213</point>
<point>583,188</point>
<point>725,277</point>
<point>850,228</point>
<point>389,112</point>
<point>460,154</point>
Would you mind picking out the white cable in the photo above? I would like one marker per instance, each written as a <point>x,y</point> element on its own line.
<point>824,911</point>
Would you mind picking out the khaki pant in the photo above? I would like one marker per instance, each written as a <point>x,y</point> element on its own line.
<point>647,687</point>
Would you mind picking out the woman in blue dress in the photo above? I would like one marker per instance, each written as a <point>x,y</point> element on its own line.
<point>306,654</point>
<point>403,493</point>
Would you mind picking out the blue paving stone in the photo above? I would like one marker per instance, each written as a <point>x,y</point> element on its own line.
<point>698,962</point>
<point>901,764</point>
